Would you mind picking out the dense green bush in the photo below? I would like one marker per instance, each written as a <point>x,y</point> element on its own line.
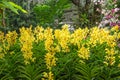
<point>50,11</point>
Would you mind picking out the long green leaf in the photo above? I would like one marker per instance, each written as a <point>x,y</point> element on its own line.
<point>17,7</point>
<point>12,6</point>
<point>9,6</point>
<point>25,76</point>
<point>23,71</point>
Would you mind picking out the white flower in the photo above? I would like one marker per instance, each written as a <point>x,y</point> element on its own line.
<point>106,21</point>
<point>116,9</point>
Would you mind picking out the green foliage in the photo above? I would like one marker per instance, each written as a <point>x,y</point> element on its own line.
<point>30,72</point>
<point>12,66</point>
<point>9,64</point>
<point>12,6</point>
<point>87,71</point>
<point>118,3</point>
<point>99,56</point>
<point>51,10</point>
<point>15,21</point>
<point>43,13</point>
<point>6,5</point>
<point>84,19</point>
<point>65,66</point>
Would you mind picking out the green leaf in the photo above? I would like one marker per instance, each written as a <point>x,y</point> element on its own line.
<point>17,7</point>
<point>30,72</point>
<point>12,6</point>
<point>115,74</point>
<point>9,6</point>
<point>84,71</point>
<point>2,5</point>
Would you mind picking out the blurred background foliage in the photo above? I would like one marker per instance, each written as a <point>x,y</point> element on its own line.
<point>6,5</point>
<point>43,13</point>
<point>50,13</point>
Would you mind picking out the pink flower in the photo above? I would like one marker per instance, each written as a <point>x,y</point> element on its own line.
<point>109,16</point>
<point>113,11</point>
<point>112,24</point>
<point>118,23</point>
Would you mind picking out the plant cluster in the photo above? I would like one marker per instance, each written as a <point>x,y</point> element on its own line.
<point>46,13</point>
<point>47,54</point>
<point>6,4</point>
<point>109,10</point>
<point>50,13</point>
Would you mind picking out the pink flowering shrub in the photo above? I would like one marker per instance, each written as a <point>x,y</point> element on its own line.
<point>111,18</point>
<point>109,12</point>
